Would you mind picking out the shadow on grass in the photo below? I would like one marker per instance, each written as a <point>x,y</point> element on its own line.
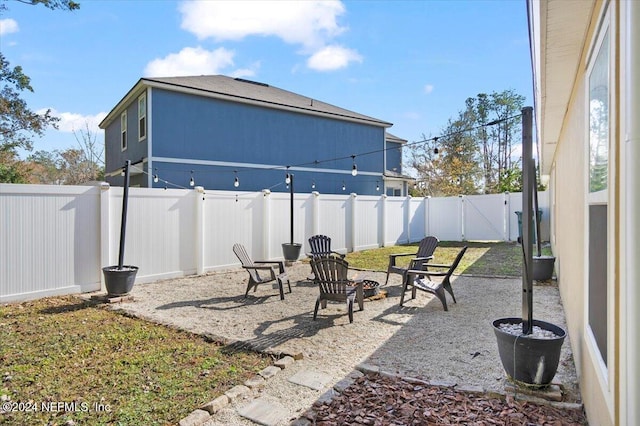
<point>72,307</point>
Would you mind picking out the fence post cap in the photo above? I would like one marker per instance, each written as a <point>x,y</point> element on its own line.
<point>104,186</point>
<point>353,195</point>
<point>199,189</point>
<point>266,191</point>
<point>316,193</point>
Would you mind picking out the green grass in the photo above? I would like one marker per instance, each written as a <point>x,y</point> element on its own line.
<point>63,349</point>
<point>481,258</point>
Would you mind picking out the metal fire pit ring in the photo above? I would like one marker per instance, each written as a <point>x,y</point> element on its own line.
<point>371,288</point>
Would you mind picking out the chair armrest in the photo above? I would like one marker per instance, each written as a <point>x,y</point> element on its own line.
<point>394,255</point>
<point>280,263</point>
<point>438,265</point>
<point>423,258</point>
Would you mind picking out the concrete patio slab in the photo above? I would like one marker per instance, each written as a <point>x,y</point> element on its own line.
<point>311,379</point>
<point>263,412</point>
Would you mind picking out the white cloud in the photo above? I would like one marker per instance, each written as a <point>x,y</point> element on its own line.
<point>332,58</point>
<point>428,88</point>
<point>309,23</point>
<point>70,121</point>
<point>190,61</point>
<point>8,26</point>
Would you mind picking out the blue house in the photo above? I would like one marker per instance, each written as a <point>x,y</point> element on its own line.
<point>229,133</point>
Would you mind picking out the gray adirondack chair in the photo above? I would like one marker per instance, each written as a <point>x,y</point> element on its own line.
<point>262,271</point>
<point>331,277</point>
<point>437,288</point>
<point>425,253</point>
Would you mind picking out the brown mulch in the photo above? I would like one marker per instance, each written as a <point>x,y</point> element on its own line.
<point>378,400</point>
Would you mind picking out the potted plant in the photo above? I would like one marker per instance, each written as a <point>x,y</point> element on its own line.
<point>119,279</point>
<point>529,349</point>
<point>291,250</point>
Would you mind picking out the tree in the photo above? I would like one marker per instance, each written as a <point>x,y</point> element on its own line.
<point>482,137</point>
<point>448,165</point>
<point>50,4</point>
<point>73,166</point>
<point>18,124</point>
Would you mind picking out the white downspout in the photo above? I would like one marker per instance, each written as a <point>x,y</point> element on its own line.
<point>631,364</point>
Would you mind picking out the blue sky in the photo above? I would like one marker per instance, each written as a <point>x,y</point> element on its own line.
<point>411,63</point>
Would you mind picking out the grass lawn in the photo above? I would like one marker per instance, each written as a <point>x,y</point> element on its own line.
<point>481,258</point>
<point>107,367</point>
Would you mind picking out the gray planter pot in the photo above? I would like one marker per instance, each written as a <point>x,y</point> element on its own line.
<point>528,359</point>
<point>543,267</point>
<point>119,281</point>
<point>291,251</point>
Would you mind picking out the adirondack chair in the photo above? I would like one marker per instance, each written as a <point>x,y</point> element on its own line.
<point>425,253</point>
<point>331,277</point>
<point>262,271</point>
<point>437,288</point>
<point>321,247</point>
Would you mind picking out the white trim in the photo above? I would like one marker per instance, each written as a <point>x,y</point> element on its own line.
<point>257,166</point>
<point>604,371</point>
<point>149,139</point>
<point>141,97</point>
<point>124,131</point>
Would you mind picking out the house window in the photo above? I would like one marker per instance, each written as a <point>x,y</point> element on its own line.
<point>597,197</point>
<point>142,117</point>
<point>123,130</point>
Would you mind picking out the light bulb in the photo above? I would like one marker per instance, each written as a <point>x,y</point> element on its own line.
<point>343,186</point>
<point>287,179</point>
<point>313,185</point>
<point>377,186</point>
<point>354,170</point>
<point>192,182</point>
<point>236,183</point>
<point>155,178</point>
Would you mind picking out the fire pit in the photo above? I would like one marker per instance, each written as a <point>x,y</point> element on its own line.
<point>370,288</point>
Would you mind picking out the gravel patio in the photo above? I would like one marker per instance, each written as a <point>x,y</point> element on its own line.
<point>418,340</point>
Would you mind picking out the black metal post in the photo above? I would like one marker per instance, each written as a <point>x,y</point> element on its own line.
<point>123,222</point>
<point>535,211</point>
<point>291,203</point>
<point>528,181</point>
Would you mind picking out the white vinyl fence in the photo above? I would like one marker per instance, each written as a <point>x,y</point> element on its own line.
<point>56,239</point>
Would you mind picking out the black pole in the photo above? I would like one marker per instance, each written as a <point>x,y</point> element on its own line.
<point>291,203</point>
<point>535,212</point>
<point>527,197</point>
<point>123,222</point>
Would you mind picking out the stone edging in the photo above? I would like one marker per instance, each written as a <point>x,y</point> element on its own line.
<point>203,414</point>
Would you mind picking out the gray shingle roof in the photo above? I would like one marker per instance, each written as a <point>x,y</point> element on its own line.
<point>248,91</point>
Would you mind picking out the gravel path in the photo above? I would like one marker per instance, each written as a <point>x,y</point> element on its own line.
<point>418,340</point>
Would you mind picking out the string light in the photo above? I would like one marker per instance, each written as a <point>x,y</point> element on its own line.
<point>354,166</point>
<point>122,172</point>
<point>155,176</point>
<point>313,185</point>
<point>236,182</point>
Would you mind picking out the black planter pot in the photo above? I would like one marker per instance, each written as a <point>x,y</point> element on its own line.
<point>291,251</point>
<point>119,282</point>
<point>527,359</point>
<point>543,267</point>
